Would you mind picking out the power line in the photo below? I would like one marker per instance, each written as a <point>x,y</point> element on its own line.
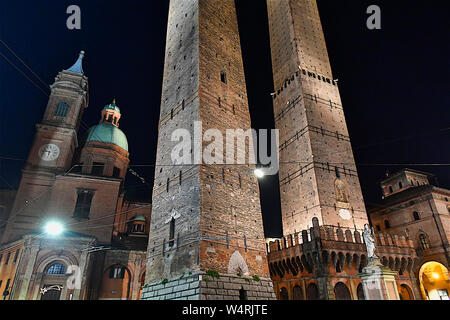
<point>23,74</point>
<point>18,58</point>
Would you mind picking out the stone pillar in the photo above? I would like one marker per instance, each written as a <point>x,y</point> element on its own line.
<point>353,290</point>
<point>26,278</point>
<point>304,289</point>
<point>379,282</point>
<point>83,274</point>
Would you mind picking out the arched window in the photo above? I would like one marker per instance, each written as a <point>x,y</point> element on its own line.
<point>284,295</point>
<point>297,293</point>
<point>387,225</point>
<point>424,242</point>
<point>400,185</point>
<point>61,110</point>
<point>416,216</point>
<point>172,233</point>
<point>57,268</point>
<point>312,292</point>
<point>360,292</point>
<point>390,189</point>
<point>341,292</point>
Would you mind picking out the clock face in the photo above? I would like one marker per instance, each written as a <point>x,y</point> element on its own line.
<point>49,152</point>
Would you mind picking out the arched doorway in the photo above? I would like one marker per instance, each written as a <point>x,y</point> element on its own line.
<point>434,281</point>
<point>341,292</point>
<point>142,283</point>
<point>297,293</point>
<point>53,281</point>
<point>312,292</point>
<point>115,283</point>
<point>284,295</point>
<point>360,292</point>
<point>405,292</point>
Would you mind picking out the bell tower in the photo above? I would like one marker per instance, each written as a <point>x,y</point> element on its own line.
<point>52,151</point>
<point>318,175</point>
<point>206,218</point>
<point>56,136</point>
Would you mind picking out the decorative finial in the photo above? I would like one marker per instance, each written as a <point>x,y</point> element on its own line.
<point>78,66</point>
<point>114,101</point>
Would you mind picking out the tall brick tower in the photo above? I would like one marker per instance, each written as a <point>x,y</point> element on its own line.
<point>206,219</point>
<point>320,178</point>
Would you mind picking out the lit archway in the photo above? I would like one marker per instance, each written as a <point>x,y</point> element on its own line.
<point>434,281</point>
<point>405,292</point>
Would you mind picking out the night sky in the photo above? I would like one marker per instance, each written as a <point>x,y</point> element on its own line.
<point>394,82</point>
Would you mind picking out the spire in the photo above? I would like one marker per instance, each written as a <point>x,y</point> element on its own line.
<point>78,66</point>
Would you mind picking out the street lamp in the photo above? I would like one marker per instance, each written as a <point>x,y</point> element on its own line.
<point>54,228</point>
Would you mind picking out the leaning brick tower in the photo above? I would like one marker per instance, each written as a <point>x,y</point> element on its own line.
<point>206,238</point>
<point>318,175</point>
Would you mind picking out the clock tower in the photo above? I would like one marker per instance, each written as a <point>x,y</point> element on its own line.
<point>52,152</point>
<point>56,136</point>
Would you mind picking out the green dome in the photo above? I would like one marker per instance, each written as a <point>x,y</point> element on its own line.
<point>108,133</point>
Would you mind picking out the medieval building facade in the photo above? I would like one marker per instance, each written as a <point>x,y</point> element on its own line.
<point>322,253</point>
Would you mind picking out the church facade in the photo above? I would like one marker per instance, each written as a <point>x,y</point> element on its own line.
<point>79,185</point>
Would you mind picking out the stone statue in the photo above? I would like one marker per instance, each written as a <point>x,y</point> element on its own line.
<point>369,240</point>
<point>341,191</point>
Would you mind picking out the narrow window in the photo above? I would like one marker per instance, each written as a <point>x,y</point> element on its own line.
<point>61,110</point>
<point>7,258</point>
<point>390,189</point>
<point>400,185</point>
<point>83,205</point>
<point>378,228</point>
<point>7,284</point>
<point>167,185</point>
<point>387,225</point>
<point>183,104</point>
<point>416,216</point>
<point>172,233</point>
<point>16,256</point>
<point>223,77</point>
<point>424,242</point>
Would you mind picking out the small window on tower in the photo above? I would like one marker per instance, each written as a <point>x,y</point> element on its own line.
<point>83,205</point>
<point>116,172</point>
<point>223,77</point>
<point>62,109</point>
<point>172,233</point>
<point>97,169</point>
